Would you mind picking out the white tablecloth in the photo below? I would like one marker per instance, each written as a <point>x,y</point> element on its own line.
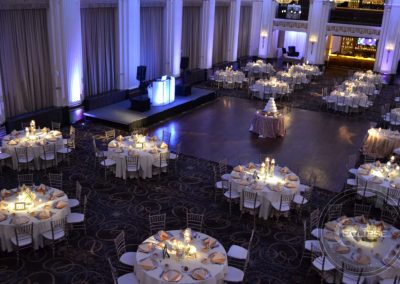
<point>34,147</point>
<point>382,247</point>
<point>217,271</point>
<point>260,67</point>
<point>39,226</point>
<point>229,76</point>
<point>359,87</point>
<point>368,76</point>
<point>270,87</point>
<point>146,158</point>
<point>292,77</point>
<point>265,194</point>
<point>309,70</point>
<point>347,99</point>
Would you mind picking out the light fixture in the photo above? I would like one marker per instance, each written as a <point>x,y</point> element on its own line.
<point>389,48</point>
<point>313,39</point>
<point>264,35</point>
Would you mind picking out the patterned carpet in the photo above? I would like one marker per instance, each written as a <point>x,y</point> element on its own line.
<point>114,205</point>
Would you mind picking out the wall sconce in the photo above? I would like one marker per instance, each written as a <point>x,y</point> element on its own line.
<point>389,48</point>
<point>264,35</point>
<point>313,39</point>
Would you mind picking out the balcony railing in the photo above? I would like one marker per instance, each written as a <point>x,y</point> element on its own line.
<point>367,17</point>
<point>292,12</point>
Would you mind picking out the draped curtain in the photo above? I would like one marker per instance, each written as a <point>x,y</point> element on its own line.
<point>191,35</point>
<point>152,41</point>
<point>25,61</point>
<point>221,24</point>
<point>98,50</point>
<point>244,31</point>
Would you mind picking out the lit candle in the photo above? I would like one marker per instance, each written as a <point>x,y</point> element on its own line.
<point>392,159</point>
<point>398,168</point>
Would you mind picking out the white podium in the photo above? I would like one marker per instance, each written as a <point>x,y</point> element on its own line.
<point>162,91</point>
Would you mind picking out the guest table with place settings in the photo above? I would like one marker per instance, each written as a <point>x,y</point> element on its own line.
<point>368,76</point>
<point>182,256</point>
<point>309,70</point>
<point>369,243</point>
<point>292,77</point>
<point>347,98</point>
<point>268,125</point>
<point>380,143</point>
<point>269,182</point>
<point>357,86</point>
<point>229,75</point>
<point>260,66</point>
<point>271,86</point>
<point>34,141</point>
<point>30,204</point>
<point>147,149</point>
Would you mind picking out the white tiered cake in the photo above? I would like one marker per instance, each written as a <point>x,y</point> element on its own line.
<point>271,106</point>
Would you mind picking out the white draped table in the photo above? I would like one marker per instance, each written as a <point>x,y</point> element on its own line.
<point>34,143</point>
<point>229,76</point>
<point>368,76</point>
<point>268,189</point>
<point>149,155</point>
<point>347,99</point>
<point>44,201</point>
<point>271,86</point>
<point>202,260</point>
<point>260,66</point>
<point>381,142</point>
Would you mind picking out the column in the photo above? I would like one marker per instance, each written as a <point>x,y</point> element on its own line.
<point>207,33</point>
<point>234,19</point>
<point>265,45</point>
<point>66,51</point>
<point>316,32</point>
<point>388,51</point>
<point>128,43</point>
<point>256,15</point>
<point>173,36</point>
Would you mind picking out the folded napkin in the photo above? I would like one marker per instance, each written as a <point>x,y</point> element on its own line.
<point>56,133</point>
<point>238,169</point>
<point>290,185</point>
<point>293,178</point>
<point>331,236</point>
<point>52,139</point>
<point>44,214</point>
<point>14,132</point>
<point>20,220</point>
<point>171,276</point>
<point>218,258</point>
<point>61,204</point>
<point>235,175</point>
<point>377,180</point>
<point>3,217</point>
<point>147,264</point>
<point>163,236</point>
<point>362,259</point>
<point>120,138</point>
<point>41,188</point>
<point>44,130</point>
<point>153,151</point>
<point>284,170</point>
<point>363,172</point>
<point>145,247</point>
<point>244,182</point>
<point>112,145</point>
<point>331,225</point>
<point>366,167</point>
<point>12,142</point>
<point>200,274</point>
<point>5,192</point>
<point>395,185</point>
<point>361,219</point>
<point>395,235</point>
<point>342,249</point>
<point>275,188</point>
<point>378,164</point>
<point>58,193</point>
<point>163,145</point>
<point>210,242</point>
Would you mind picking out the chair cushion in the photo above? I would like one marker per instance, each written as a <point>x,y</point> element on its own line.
<point>4,156</point>
<point>64,150</point>
<point>234,194</point>
<point>285,206</point>
<point>58,234</point>
<point>387,281</point>
<point>314,243</point>
<point>396,151</point>
<point>367,193</point>
<point>226,176</point>
<point>132,168</point>
<point>107,162</point>
<point>73,202</point>
<point>317,232</point>
<point>298,199</point>
<point>128,258</point>
<point>172,156</point>
<point>351,278</point>
<point>24,160</point>
<point>351,181</point>
<point>75,218</point>
<point>234,275</point>
<point>128,278</point>
<point>302,187</point>
<point>23,239</point>
<point>218,185</point>
<point>48,157</point>
<point>237,252</point>
<point>317,263</point>
<point>353,171</point>
<point>163,164</point>
<point>249,204</point>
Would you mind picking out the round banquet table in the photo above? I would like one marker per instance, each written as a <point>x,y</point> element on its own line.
<point>347,98</point>
<point>154,276</point>
<point>310,70</point>
<point>344,239</point>
<point>149,155</point>
<point>292,77</point>
<point>272,86</point>
<point>268,189</point>
<point>18,139</point>
<point>30,215</point>
<point>368,76</point>
<point>229,75</point>
<point>360,87</point>
<point>268,126</point>
<point>260,67</point>
<point>381,142</point>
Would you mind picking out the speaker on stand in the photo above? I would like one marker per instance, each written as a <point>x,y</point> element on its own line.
<point>141,75</point>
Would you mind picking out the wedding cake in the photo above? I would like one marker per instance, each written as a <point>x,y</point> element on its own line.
<point>271,106</point>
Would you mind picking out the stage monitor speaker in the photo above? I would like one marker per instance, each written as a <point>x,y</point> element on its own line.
<point>141,73</point>
<point>184,63</point>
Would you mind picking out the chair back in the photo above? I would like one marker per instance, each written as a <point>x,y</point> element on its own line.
<point>157,222</point>
<point>315,219</point>
<point>55,180</point>
<point>389,215</point>
<point>119,243</point>
<point>132,161</point>
<point>21,153</point>
<point>113,271</point>
<point>56,126</point>
<point>85,201</point>
<point>354,270</point>
<point>223,167</point>
<point>164,157</point>
<point>362,209</point>
<point>334,211</point>
<point>166,137</point>
<point>78,190</point>
<point>194,221</point>
<point>286,199</point>
<point>393,195</point>
<point>22,231</point>
<point>71,142</point>
<point>49,151</point>
<point>72,130</point>
<point>26,179</point>
<point>250,197</point>
<point>58,224</point>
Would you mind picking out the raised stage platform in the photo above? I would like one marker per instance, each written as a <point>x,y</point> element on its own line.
<point>121,115</point>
